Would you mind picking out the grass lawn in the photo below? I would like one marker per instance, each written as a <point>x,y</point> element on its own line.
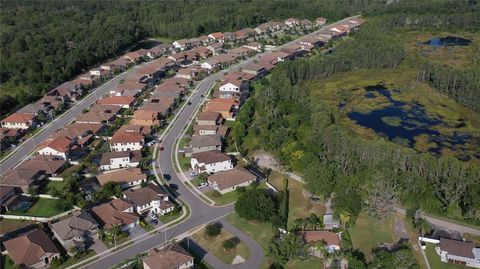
<point>169,217</point>
<point>7,262</point>
<point>300,206</point>
<point>229,197</point>
<point>224,199</point>
<point>43,207</point>
<point>368,232</point>
<point>184,162</point>
<point>311,263</point>
<point>120,241</point>
<point>261,232</point>
<point>435,261</point>
<point>214,246</point>
<point>52,185</point>
<point>9,225</point>
<point>71,261</point>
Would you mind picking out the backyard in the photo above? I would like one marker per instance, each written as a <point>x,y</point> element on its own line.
<point>43,207</point>
<point>214,246</point>
<point>9,225</point>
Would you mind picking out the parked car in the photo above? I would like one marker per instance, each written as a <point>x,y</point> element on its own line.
<point>202,185</point>
<point>154,221</point>
<point>153,216</point>
<point>189,103</point>
<point>173,186</point>
<point>193,174</point>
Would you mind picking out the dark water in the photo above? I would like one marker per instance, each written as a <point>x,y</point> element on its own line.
<point>448,41</point>
<point>146,44</point>
<point>414,121</point>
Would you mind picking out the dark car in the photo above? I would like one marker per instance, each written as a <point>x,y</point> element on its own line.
<point>173,186</point>
<point>167,177</point>
<point>189,103</point>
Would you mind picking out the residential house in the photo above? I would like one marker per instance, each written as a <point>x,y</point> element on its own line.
<point>255,69</point>
<point>312,41</point>
<point>34,249</point>
<point>79,130</point>
<point>187,73</point>
<point>226,107</point>
<point>127,177</point>
<point>163,64</point>
<point>163,111</point>
<point>152,74</point>
<point>254,46</point>
<point>33,109</point>
<point>229,180</point>
<point>320,21</point>
<point>135,56</point>
<point>151,198</point>
<point>130,128</point>
<point>331,240</point>
<point>195,42</point>
<point>216,48</point>
<point>171,257</point>
<point>202,52</point>
<point>125,141</point>
<point>95,118</point>
<point>99,72</point>
<point>59,147</point>
<point>329,222</point>
<point>238,75</point>
<point>292,22</point>
<point>47,165</point>
<point>145,117</point>
<point>241,52</point>
<point>217,37</point>
<point>121,101</point>
<point>209,118</point>
<point>228,36</point>
<point>170,87</point>
<point>116,213</point>
<point>206,143</point>
<point>18,121</point>
<point>120,159</point>
<point>23,179</point>
<point>234,88</point>
<point>306,23</point>
<point>204,40</point>
<point>458,252</point>
<point>182,44</point>
<point>158,50</point>
<point>105,109</point>
<point>132,89</point>
<point>263,28</point>
<point>78,230</point>
<point>219,130</point>
<point>210,161</point>
<point>338,31</point>
<point>6,193</point>
<point>274,57</point>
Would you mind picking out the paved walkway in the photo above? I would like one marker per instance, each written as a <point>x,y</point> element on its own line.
<point>98,246</point>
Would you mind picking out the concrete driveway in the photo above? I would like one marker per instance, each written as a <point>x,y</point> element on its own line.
<point>136,232</point>
<point>97,245</point>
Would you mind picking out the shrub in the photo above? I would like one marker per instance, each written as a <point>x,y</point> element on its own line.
<point>230,243</point>
<point>212,230</point>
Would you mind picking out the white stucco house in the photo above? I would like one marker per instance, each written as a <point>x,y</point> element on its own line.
<point>210,161</point>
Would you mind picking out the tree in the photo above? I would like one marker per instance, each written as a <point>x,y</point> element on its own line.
<point>313,220</point>
<point>287,248</point>
<point>255,204</point>
<point>344,218</point>
<point>298,223</point>
<point>381,199</point>
<point>214,229</point>
<point>230,243</point>
<point>422,226</point>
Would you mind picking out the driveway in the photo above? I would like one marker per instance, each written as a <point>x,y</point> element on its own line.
<point>136,232</point>
<point>98,246</point>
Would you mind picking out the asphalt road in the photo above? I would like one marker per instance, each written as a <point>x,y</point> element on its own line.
<point>28,146</point>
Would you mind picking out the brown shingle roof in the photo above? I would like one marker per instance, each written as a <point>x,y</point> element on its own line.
<point>17,117</point>
<point>97,117</point>
<point>171,257</point>
<point>330,238</point>
<point>206,141</point>
<point>116,100</point>
<point>230,178</point>
<point>29,249</point>
<point>60,144</point>
<point>457,248</point>
<point>45,164</point>
<point>77,225</point>
<point>124,137</point>
<point>206,115</point>
<point>111,214</point>
<point>121,176</point>
<point>145,195</point>
<point>212,156</point>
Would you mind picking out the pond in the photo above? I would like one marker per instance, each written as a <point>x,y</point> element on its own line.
<point>448,41</point>
<point>404,122</point>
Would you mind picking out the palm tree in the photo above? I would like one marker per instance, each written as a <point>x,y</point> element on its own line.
<point>422,226</point>
<point>296,224</point>
<point>313,220</point>
<point>344,218</point>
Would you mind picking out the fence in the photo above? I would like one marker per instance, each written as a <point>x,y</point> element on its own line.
<point>428,240</point>
<point>40,219</point>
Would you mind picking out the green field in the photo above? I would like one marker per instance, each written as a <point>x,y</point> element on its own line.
<point>311,263</point>
<point>368,232</point>
<point>214,246</point>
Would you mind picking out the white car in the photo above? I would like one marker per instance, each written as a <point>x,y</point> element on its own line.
<point>202,185</point>
<point>153,216</point>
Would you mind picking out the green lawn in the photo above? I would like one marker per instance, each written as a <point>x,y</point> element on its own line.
<point>368,232</point>
<point>214,246</point>
<point>435,262</point>
<point>52,185</point>
<point>43,207</point>
<point>7,262</point>
<point>311,263</point>
<point>120,241</point>
<point>229,197</point>
<point>261,232</point>
<point>169,217</point>
<point>184,162</point>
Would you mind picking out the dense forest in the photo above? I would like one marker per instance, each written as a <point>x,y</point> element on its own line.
<point>372,175</point>
<point>44,43</point>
